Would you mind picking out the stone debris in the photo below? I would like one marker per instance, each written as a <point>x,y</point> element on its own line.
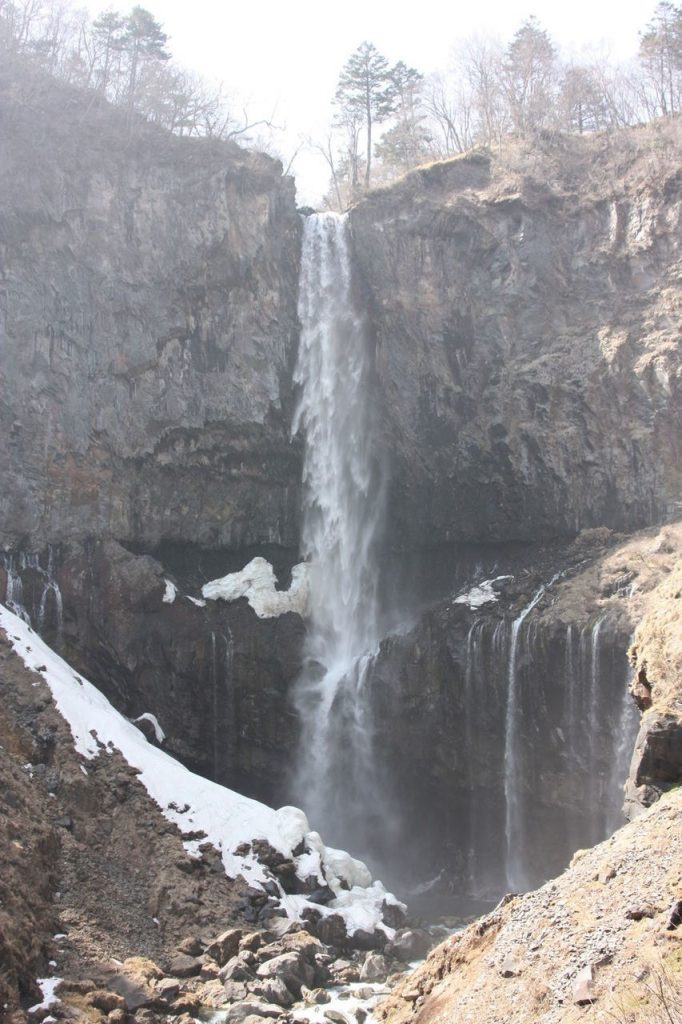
<point>583,991</point>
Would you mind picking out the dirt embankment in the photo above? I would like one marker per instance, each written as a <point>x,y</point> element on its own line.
<point>596,944</point>
<point>85,854</point>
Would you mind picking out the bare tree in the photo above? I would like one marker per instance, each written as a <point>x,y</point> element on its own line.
<point>661,56</point>
<point>449,109</point>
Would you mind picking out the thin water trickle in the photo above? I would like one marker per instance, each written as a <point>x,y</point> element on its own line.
<point>514,775</point>
<point>513,767</point>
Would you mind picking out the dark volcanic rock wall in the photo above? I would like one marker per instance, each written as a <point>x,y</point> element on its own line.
<point>463,765</point>
<point>147,329</point>
<point>215,676</point>
<point>526,312</point>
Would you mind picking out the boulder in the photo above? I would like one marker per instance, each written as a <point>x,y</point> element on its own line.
<point>225,946</point>
<point>167,988</point>
<point>322,895</point>
<point>375,968</point>
<point>294,942</point>
<point>331,930</point>
<point>344,972</point>
<point>237,969</point>
<point>360,939</point>
<point>280,926</point>
<point>209,970</point>
<point>336,1017</point>
<point>675,916</point>
<point>250,1007</point>
<point>410,944</point>
<point>583,994</point>
<point>252,941</point>
<point>234,991</point>
<point>291,968</point>
<point>273,990</point>
<point>183,966</point>
<point>393,915</point>
<point>191,946</point>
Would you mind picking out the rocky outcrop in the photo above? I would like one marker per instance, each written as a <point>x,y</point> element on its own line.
<point>657,686</point>
<point>602,934</point>
<point>148,319</point>
<point>525,308</point>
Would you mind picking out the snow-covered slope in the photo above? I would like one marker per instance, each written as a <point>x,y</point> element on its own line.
<point>196,804</point>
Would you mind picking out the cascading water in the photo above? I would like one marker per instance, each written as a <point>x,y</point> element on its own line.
<point>575,716</point>
<point>513,767</point>
<point>14,596</point>
<point>342,513</point>
<point>47,610</point>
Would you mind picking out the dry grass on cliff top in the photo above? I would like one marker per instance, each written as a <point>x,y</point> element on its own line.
<point>597,165</point>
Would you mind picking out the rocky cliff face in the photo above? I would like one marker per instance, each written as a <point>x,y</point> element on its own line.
<point>148,318</point>
<point>148,333</point>
<point>526,310</point>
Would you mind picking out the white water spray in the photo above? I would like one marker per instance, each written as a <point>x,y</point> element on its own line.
<point>342,511</point>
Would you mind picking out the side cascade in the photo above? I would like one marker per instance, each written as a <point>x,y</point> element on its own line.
<point>517,878</point>
<point>335,775</point>
<point>587,718</point>
<point>42,605</point>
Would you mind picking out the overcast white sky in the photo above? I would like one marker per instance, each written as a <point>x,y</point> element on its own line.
<point>283,56</point>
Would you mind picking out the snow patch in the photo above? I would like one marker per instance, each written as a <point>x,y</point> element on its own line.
<point>149,717</point>
<point>484,593</point>
<point>256,582</point>
<point>196,804</point>
<point>47,989</point>
<point>170,593</point>
<point>196,600</point>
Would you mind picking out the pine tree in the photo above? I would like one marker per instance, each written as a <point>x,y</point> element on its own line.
<point>365,91</point>
<point>405,144</point>
<point>529,73</point>
<point>143,41</point>
<point>107,33</point>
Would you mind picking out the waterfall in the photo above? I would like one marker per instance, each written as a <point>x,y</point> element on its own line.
<point>513,765</point>
<point>16,601</point>
<point>515,867</point>
<point>627,725</point>
<point>342,512</point>
<point>214,701</point>
<point>471,738</point>
<point>14,595</point>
